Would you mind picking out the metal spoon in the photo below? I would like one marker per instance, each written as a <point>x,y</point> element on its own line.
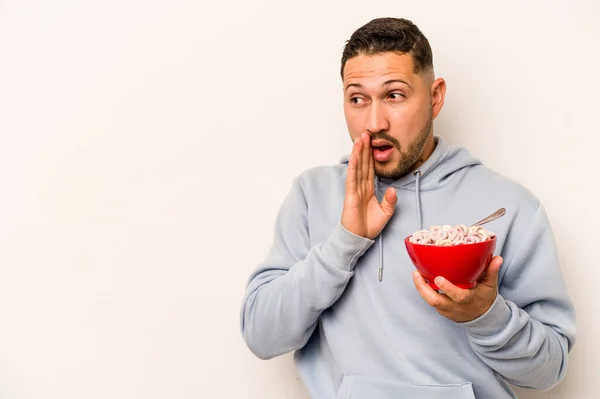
<point>496,215</point>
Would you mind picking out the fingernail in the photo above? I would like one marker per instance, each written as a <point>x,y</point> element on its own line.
<point>438,280</point>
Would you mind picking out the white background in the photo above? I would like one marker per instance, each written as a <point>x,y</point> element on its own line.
<point>145,148</point>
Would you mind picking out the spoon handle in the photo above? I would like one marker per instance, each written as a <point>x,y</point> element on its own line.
<point>498,214</point>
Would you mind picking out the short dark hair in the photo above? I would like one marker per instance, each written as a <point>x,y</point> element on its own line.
<point>396,35</point>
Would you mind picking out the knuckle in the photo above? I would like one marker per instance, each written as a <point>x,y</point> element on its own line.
<point>434,302</point>
<point>465,298</point>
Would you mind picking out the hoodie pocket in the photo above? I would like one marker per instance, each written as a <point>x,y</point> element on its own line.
<point>355,387</point>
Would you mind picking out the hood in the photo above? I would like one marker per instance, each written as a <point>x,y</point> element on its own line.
<point>443,162</point>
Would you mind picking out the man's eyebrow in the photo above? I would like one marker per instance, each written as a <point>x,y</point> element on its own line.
<point>389,82</point>
<point>386,83</point>
<point>353,85</point>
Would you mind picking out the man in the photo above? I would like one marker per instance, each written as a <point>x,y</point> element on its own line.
<point>338,286</point>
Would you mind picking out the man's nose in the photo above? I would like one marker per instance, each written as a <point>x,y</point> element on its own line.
<point>377,119</point>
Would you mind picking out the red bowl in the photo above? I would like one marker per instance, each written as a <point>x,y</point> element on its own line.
<point>461,264</point>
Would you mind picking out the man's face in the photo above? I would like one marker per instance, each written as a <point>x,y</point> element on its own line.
<point>395,106</point>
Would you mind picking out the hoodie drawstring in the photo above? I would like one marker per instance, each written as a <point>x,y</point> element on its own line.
<point>380,243</point>
<point>418,195</point>
<point>419,216</point>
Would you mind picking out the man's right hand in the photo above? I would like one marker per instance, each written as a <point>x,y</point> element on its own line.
<point>363,215</point>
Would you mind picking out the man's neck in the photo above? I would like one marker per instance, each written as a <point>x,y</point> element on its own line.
<point>426,153</point>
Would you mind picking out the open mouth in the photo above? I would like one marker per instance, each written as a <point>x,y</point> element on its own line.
<point>383,153</point>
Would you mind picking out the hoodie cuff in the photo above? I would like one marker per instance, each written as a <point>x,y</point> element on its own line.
<point>344,248</point>
<point>492,321</point>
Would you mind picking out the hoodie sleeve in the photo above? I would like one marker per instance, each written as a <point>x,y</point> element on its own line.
<point>529,330</point>
<point>296,282</point>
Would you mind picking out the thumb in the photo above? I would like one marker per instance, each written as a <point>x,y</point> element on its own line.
<point>490,276</point>
<point>388,204</point>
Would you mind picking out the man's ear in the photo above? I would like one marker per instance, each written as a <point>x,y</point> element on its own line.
<point>438,93</point>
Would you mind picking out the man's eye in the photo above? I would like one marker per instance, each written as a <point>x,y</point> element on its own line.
<point>397,96</point>
<point>356,100</point>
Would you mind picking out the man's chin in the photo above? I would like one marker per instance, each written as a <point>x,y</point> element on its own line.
<point>387,173</point>
<point>389,170</point>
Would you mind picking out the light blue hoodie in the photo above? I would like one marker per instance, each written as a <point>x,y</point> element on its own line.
<point>356,337</point>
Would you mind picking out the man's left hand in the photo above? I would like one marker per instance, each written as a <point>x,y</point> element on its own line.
<point>462,305</point>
